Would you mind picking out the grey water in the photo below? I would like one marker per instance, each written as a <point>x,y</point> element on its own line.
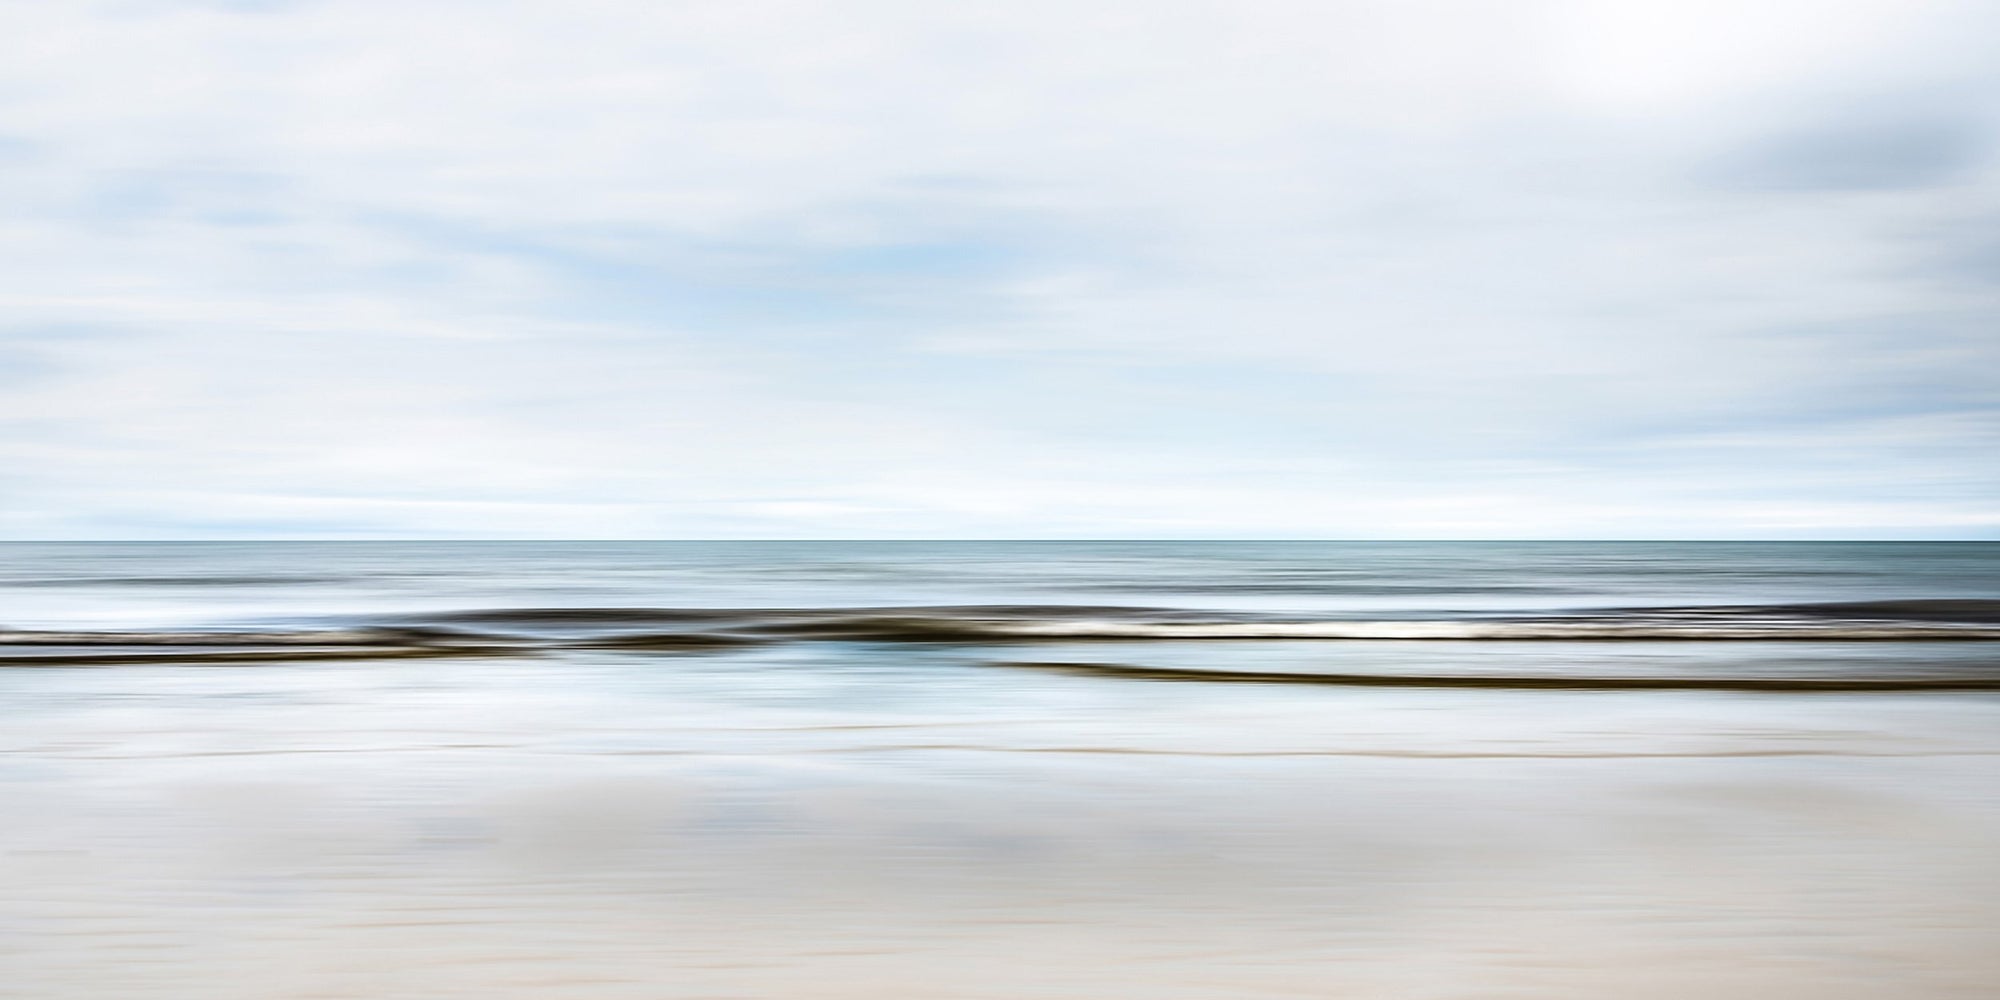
<point>999,769</point>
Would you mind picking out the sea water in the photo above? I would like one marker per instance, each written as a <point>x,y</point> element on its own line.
<point>1000,770</point>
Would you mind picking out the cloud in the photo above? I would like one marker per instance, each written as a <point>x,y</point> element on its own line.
<point>791,267</point>
<point>1859,153</point>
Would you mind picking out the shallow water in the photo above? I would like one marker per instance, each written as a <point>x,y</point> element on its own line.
<point>527,812</point>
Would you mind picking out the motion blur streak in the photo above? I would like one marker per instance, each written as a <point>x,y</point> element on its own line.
<point>543,813</point>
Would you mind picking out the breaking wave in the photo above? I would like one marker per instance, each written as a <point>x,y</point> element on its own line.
<point>699,629</point>
<point>1850,621</point>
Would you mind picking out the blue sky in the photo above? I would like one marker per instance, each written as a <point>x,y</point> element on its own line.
<point>1176,268</point>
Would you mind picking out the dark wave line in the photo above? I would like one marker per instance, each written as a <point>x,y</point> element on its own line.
<point>1060,750</point>
<point>173,581</point>
<point>373,637</point>
<point>696,630</point>
<point>1168,752</point>
<point>1521,681</point>
<point>1962,610</point>
<point>282,655</point>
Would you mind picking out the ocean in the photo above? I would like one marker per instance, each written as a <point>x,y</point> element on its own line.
<point>1000,770</point>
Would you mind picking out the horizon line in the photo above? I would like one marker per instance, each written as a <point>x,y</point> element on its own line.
<point>1441,541</point>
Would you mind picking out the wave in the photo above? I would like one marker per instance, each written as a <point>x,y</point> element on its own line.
<point>173,581</point>
<point>367,636</point>
<point>1961,610</point>
<point>1903,620</point>
<point>522,630</point>
<point>74,648</point>
<point>46,656</point>
<point>543,616</point>
<point>1600,682</point>
<point>1317,588</point>
<point>1548,630</point>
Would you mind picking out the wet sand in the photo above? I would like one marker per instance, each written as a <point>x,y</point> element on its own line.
<point>608,827</point>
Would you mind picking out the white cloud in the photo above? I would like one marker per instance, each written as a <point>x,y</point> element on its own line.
<point>621,267</point>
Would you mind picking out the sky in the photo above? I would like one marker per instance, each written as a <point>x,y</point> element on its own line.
<point>1023,269</point>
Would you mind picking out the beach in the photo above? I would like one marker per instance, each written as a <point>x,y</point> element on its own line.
<point>849,817</point>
